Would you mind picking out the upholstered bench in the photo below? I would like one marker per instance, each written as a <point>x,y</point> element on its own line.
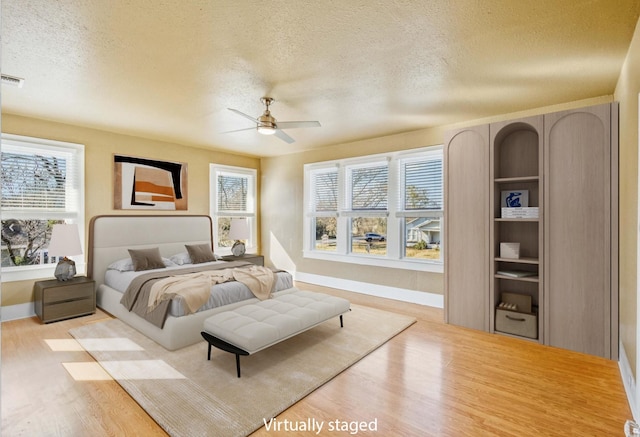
<point>254,327</point>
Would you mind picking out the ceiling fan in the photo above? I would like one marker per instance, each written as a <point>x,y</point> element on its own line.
<point>266,124</point>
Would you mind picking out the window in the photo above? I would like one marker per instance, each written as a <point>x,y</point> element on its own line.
<point>380,210</point>
<point>421,205</point>
<point>42,184</point>
<point>324,208</point>
<point>367,194</point>
<point>233,194</point>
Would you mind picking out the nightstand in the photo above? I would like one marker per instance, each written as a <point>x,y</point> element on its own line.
<point>57,300</point>
<point>248,257</point>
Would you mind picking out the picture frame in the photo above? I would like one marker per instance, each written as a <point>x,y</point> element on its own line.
<point>514,198</point>
<point>149,184</point>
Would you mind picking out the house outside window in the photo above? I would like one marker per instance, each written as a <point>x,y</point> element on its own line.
<point>42,185</point>
<point>383,210</point>
<point>421,205</point>
<point>233,195</point>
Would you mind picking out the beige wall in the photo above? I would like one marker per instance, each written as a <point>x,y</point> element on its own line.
<point>100,146</point>
<point>627,94</point>
<point>283,193</point>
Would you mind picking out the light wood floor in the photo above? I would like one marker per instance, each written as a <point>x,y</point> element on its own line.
<point>432,379</point>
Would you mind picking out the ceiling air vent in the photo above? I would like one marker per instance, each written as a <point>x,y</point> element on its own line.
<point>11,80</point>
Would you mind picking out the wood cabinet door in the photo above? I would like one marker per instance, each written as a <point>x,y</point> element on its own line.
<point>577,222</point>
<point>466,227</point>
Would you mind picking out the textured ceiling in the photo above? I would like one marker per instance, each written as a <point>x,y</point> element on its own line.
<point>168,70</point>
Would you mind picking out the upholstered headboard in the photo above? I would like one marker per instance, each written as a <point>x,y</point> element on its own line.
<point>111,235</point>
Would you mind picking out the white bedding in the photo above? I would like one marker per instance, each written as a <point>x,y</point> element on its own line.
<point>221,294</point>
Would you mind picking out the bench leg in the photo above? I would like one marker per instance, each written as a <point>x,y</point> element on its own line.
<point>341,324</point>
<point>223,345</point>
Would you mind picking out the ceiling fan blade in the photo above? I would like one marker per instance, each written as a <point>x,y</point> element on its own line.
<point>284,137</point>
<point>296,124</point>
<point>238,130</point>
<point>255,120</point>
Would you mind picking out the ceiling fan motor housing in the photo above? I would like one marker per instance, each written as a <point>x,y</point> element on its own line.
<point>267,121</point>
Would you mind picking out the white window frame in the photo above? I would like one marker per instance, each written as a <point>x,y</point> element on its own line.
<point>312,214</point>
<point>75,196</point>
<point>394,213</point>
<point>252,175</point>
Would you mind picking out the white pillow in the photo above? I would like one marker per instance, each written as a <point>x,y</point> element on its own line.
<point>122,265</point>
<point>126,264</point>
<point>181,258</point>
<point>167,262</point>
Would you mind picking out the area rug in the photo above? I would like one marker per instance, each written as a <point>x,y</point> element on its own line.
<point>190,396</point>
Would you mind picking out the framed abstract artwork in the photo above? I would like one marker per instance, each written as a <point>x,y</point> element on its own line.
<point>141,183</point>
<point>515,199</point>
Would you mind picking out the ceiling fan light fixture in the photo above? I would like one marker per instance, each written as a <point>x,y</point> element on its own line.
<point>266,130</point>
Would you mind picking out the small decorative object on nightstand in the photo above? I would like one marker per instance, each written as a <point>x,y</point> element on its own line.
<point>238,230</point>
<point>65,241</point>
<point>57,300</point>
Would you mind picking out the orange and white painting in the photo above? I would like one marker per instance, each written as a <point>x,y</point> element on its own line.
<point>141,183</point>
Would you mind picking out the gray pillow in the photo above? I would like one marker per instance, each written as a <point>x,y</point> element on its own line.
<point>146,259</point>
<point>126,264</point>
<point>200,253</point>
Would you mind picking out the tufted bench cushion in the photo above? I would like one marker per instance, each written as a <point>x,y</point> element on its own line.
<point>256,326</point>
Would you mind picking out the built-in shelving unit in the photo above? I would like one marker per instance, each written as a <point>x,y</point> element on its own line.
<point>516,166</point>
<point>557,283</point>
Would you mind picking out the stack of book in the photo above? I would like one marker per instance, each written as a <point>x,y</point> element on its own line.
<point>524,212</point>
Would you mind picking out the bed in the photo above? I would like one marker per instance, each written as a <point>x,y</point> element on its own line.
<point>110,239</point>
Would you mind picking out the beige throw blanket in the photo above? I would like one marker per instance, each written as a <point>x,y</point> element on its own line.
<point>195,288</point>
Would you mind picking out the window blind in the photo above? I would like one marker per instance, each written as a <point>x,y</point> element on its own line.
<point>369,187</point>
<point>325,191</point>
<point>39,179</point>
<point>232,192</point>
<point>422,184</point>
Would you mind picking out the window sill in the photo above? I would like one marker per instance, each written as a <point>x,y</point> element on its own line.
<point>14,274</point>
<point>404,264</point>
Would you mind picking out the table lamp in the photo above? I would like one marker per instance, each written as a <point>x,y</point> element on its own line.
<point>65,241</point>
<point>238,230</point>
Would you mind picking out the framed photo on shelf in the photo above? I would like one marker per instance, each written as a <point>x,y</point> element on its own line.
<point>515,198</point>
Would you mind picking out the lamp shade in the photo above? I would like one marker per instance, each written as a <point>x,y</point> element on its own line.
<point>65,240</point>
<point>239,229</point>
